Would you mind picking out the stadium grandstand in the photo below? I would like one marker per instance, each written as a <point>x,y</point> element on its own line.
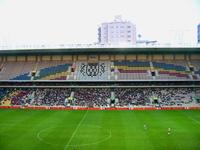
<point>100,77</point>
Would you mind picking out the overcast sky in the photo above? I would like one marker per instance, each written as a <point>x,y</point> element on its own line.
<point>76,21</point>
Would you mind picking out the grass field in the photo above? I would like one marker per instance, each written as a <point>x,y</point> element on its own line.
<point>85,130</point>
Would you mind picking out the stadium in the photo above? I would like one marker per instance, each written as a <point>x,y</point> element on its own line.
<point>100,98</point>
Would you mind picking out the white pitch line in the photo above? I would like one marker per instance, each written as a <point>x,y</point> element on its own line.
<point>191,118</point>
<point>76,145</point>
<point>74,133</point>
<point>196,121</point>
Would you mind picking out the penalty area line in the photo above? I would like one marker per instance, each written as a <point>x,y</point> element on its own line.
<point>191,118</point>
<point>196,121</point>
<point>75,131</point>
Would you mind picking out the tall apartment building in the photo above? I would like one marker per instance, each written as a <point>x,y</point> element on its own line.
<point>117,32</point>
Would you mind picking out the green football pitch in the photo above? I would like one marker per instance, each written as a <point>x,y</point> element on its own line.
<point>85,130</point>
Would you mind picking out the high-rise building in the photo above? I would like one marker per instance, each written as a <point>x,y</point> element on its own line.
<point>117,32</point>
<point>198,33</point>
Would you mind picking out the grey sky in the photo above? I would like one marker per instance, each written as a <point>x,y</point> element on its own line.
<point>76,21</point>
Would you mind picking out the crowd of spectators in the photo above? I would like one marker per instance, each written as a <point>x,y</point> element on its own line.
<point>163,96</point>
<point>132,96</point>
<point>92,97</point>
<point>100,97</point>
<point>50,97</point>
<point>175,96</point>
<point>20,96</point>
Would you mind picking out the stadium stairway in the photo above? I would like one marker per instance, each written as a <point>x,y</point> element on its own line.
<point>72,72</point>
<point>195,65</point>
<point>1,65</point>
<point>197,73</point>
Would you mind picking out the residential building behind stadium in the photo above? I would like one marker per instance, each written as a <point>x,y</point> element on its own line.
<point>117,32</point>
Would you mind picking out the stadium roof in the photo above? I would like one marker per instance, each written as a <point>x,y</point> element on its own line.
<point>76,51</point>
